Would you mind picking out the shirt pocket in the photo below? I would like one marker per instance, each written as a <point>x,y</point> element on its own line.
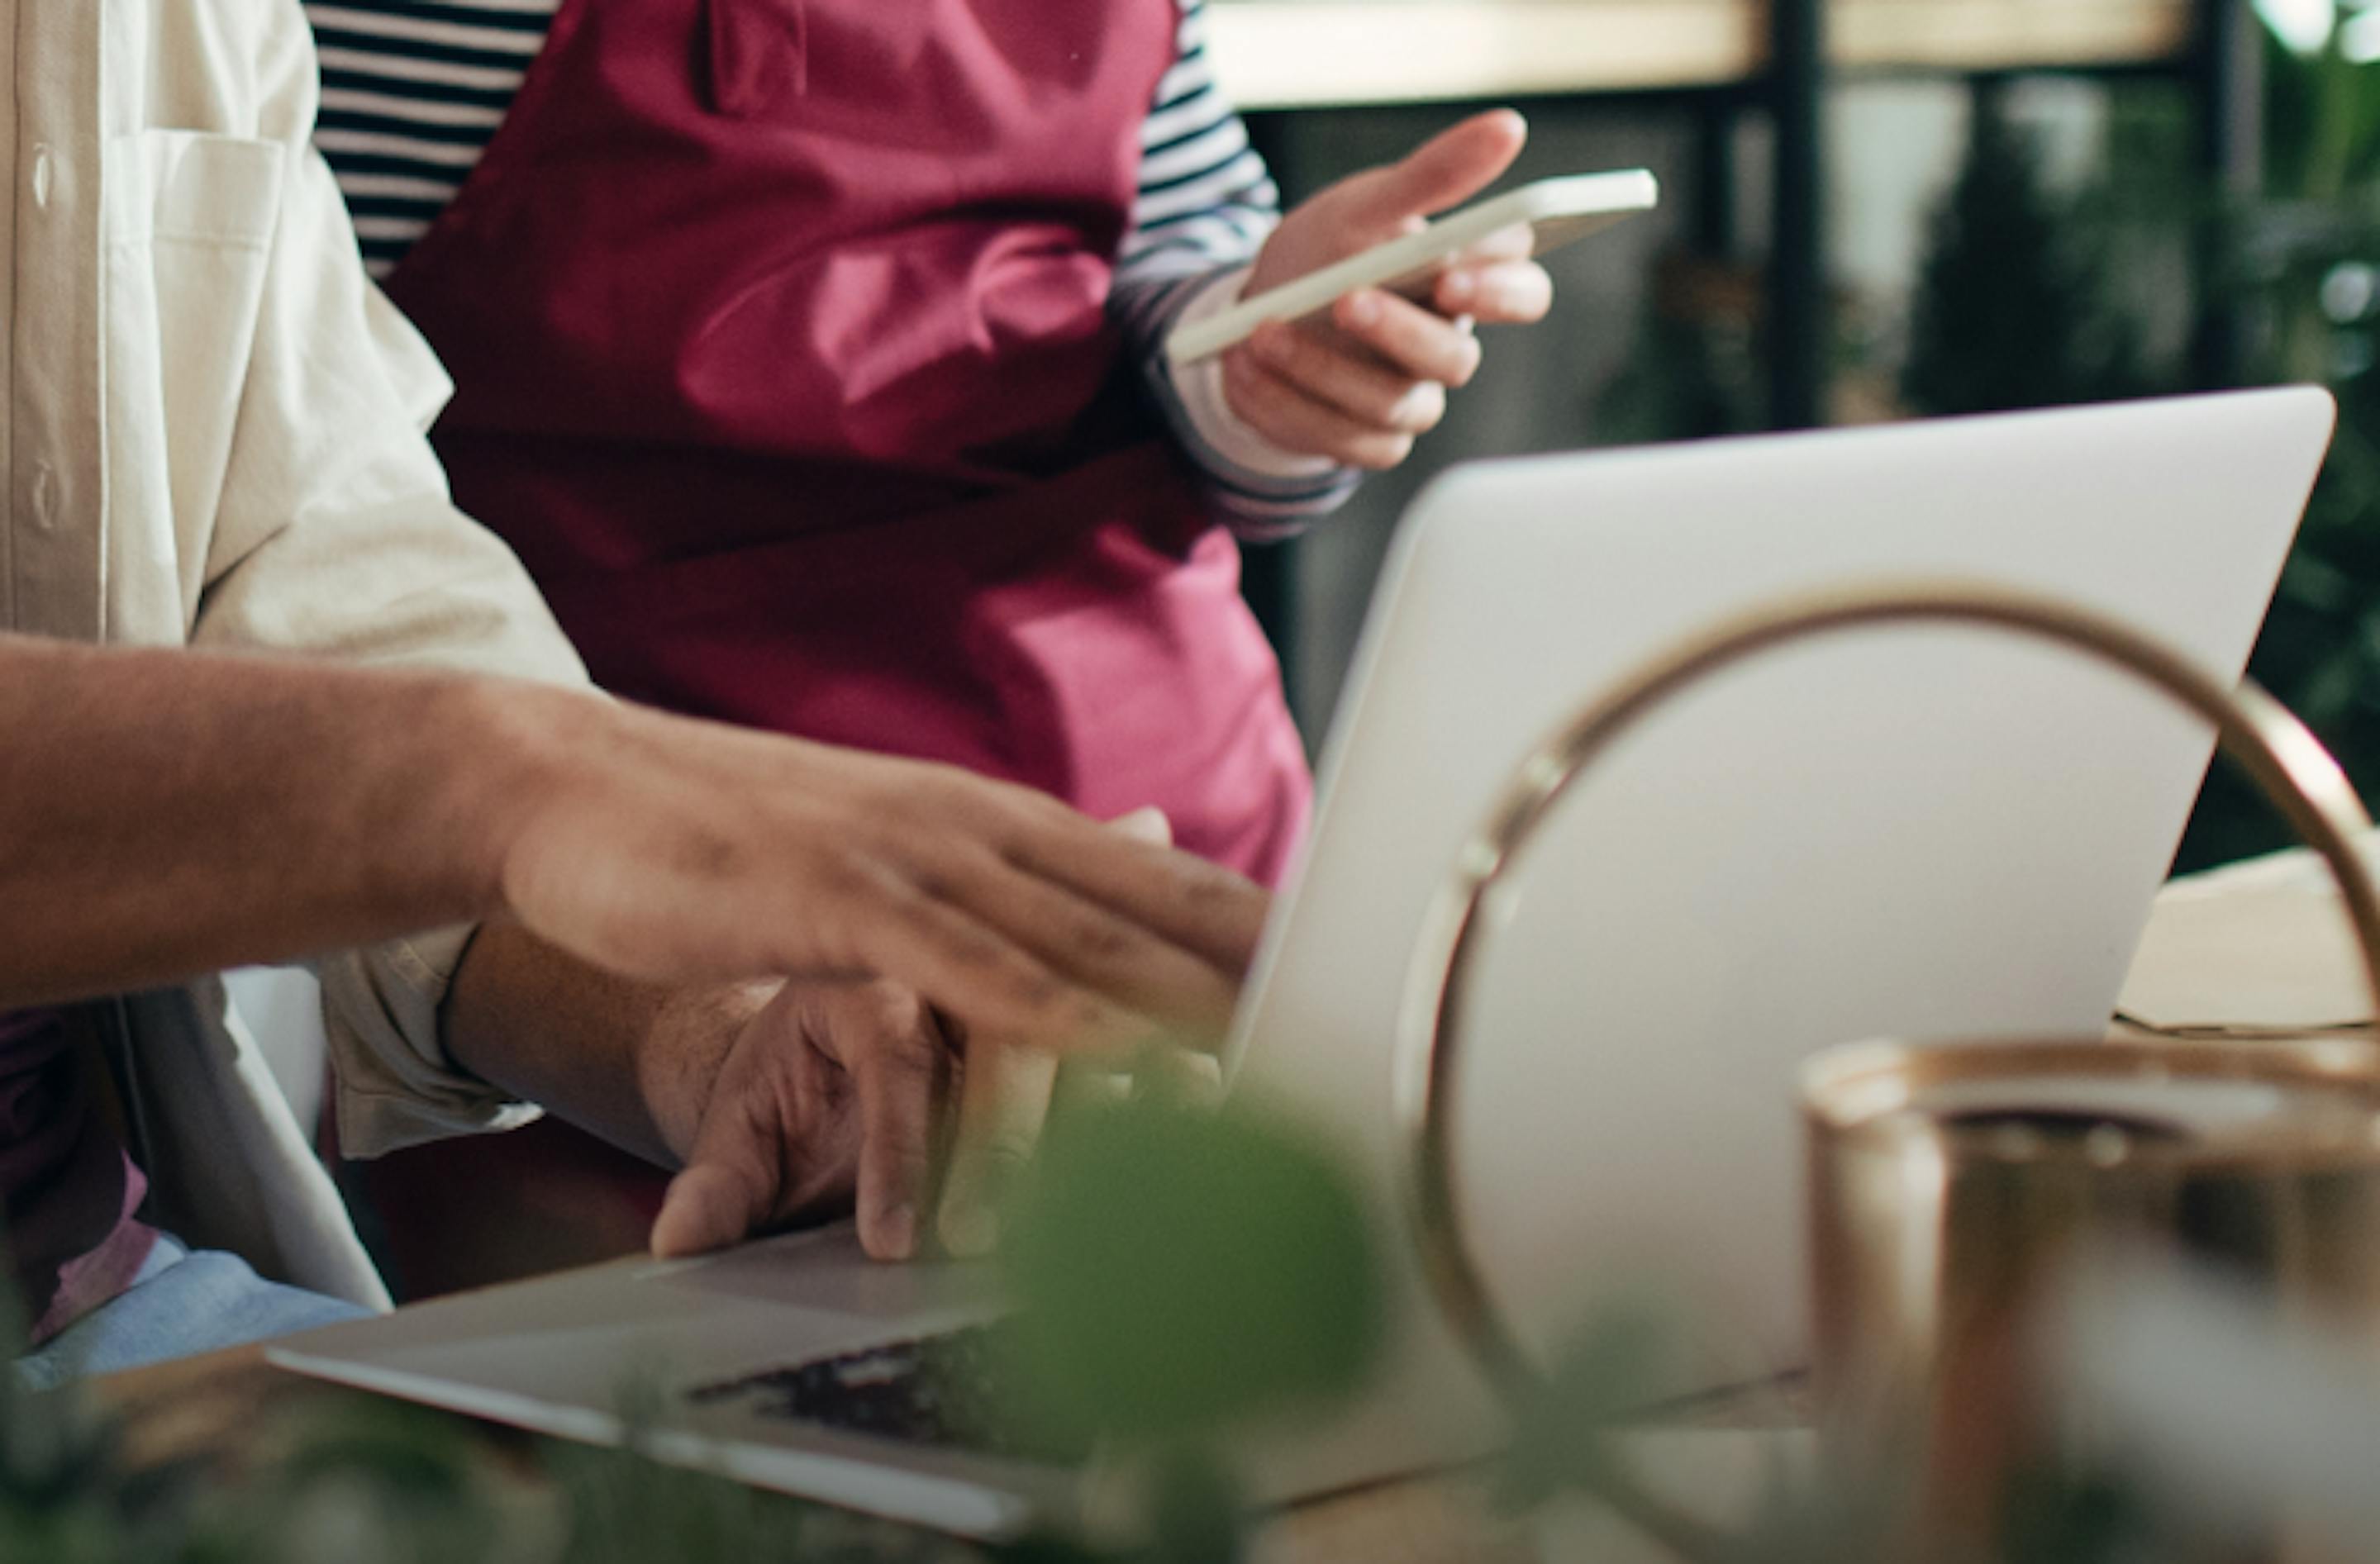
<point>190,221</point>
<point>194,187</point>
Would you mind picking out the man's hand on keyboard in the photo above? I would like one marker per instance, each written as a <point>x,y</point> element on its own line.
<point>839,1091</point>
<point>833,1091</point>
<point>1004,1099</point>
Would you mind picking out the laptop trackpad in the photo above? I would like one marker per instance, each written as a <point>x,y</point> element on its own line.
<point>827,1270</point>
<point>779,1300</point>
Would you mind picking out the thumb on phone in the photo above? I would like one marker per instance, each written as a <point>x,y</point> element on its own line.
<point>1445,171</point>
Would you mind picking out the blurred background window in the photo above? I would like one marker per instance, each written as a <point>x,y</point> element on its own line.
<point>1882,209</point>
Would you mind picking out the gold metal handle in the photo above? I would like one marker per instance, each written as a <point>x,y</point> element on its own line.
<point>2295,772</point>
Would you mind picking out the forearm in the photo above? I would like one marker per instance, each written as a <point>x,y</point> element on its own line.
<point>632,1062</point>
<point>163,813</point>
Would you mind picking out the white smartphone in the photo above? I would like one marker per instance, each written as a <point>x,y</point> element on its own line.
<point>1557,212</point>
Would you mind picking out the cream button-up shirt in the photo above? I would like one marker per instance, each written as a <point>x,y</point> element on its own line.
<point>213,437</point>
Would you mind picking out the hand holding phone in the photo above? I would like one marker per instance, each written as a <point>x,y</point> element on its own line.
<point>1556,211</point>
<point>1357,389</point>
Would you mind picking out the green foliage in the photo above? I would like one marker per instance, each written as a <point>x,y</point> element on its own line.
<point>2030,300</point>
<point>2083,1518</point>
<point>1695,370</point>
<point>1185,1273</point>
<point>1195,1511</point>
<point>2014,306</point>
<point>1180,1272</point>
<point>382,1483</point>
<point>2301,264</point>
<point>372,1483</point>
<point>1613,1373</point>
<point>2322,125</point>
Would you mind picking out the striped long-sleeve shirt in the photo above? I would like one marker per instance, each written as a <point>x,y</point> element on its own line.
<point>414,89</point>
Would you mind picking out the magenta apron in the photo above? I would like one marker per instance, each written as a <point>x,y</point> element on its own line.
<point>780,328</point>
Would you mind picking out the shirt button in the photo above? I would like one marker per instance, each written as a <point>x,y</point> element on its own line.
<point>44,176</point>
<point>45,496</point>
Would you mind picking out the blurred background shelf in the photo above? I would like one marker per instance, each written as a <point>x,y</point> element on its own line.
<point>1305,54</point>
<point>1997,35</point>
<point>1799,142</point>
<point>1300,53</point>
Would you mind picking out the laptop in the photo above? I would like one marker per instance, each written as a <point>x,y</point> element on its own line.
<point>1915,832</point>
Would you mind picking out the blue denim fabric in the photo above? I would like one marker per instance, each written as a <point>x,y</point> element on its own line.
<point>180,1304</point>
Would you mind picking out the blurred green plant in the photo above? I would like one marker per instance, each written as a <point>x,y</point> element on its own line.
<point>2304,262</point>
<point>1179,1273</point>
<point>1184,1276</point>
<point>2029,299</point>
<point>2033,295</point>
<point>1187,1276</point>
<point>1693,371</point>
<point>2017,302</point>
<point>383,1482</point>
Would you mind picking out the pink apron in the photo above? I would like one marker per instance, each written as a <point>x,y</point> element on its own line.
<point>784,360</point>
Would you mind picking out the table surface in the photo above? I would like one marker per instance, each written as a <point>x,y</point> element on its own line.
<point>1303,54</point>
<point>206,1407</point>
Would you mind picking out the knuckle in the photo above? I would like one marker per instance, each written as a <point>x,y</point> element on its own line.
<point>932,921</point>
<point>896,1015</point>
<point>1039,818</point>
<point>1090,1024</point>
<point>1036,990</point>
<point>1004,1155</point>
<point>846,873</point>
<point>933,814</point>
<point>1101,936</point>
<point>902,1067</point>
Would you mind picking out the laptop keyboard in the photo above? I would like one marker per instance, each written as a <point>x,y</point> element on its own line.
<point>944,1392</point>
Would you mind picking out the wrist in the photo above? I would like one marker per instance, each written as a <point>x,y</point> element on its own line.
<point>509,750</point>
<point>683,1048</point>
<point>1222,439</point>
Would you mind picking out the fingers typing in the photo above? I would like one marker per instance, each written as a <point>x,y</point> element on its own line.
<point>900,1061</point>
<point>1003,1101</point>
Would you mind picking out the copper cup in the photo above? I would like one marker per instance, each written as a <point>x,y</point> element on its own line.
<point>1955,1192</point>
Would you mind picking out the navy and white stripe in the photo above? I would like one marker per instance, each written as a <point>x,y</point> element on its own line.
<point>1206,202</point>
<point>412,93</point>
<point>1206,205</point>
<point>414,89</point>
<point>1204,194</point>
